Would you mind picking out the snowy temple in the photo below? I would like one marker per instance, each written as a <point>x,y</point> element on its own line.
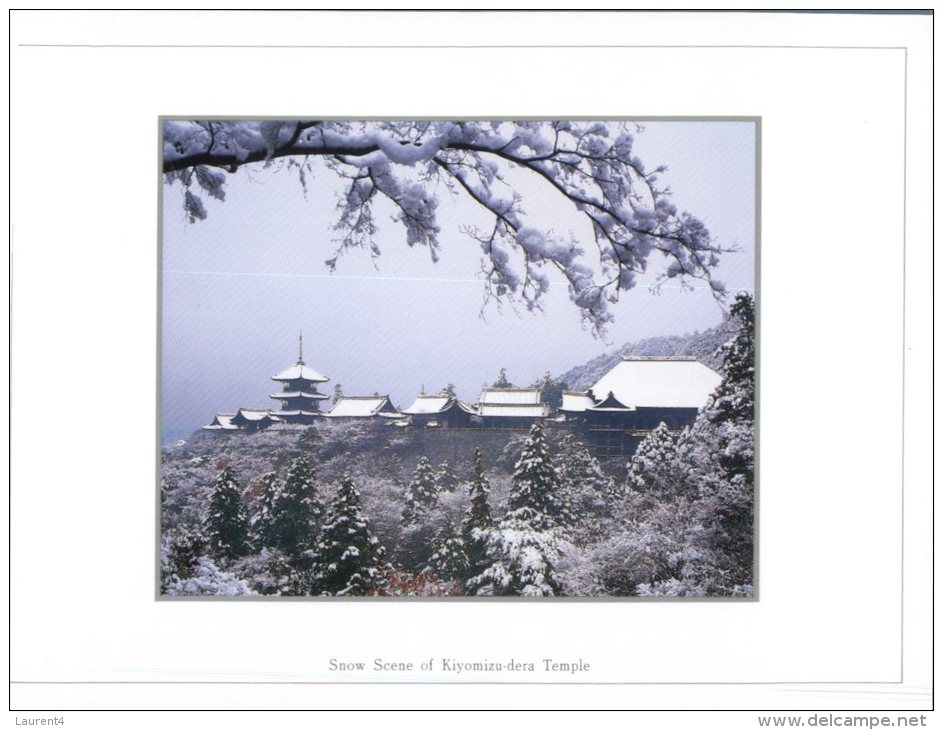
<point>300,399</point>
<point>637,395</point>
<point>363,406</point>
<point>441,410</point>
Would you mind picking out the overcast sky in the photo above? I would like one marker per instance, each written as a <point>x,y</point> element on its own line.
<point>238,286</point>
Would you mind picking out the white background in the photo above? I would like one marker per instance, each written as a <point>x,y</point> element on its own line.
<point>84,220</point>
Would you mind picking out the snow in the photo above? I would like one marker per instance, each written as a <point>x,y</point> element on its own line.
<point>252,414</point>
<point>358,406</point>
<point>516,411</point>
<point>510,396</point>
<point>300,371</point>
<point>658,383</point>
<point>222,422</point>
<point>428,404</point>
<point>576,402</point>
<point>299,394</point>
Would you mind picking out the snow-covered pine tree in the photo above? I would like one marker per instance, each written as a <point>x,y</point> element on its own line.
<point>719,452</point>
<point>502,380</point>
<point>477,518</point>
<point>421,494</point>
<point>348,560</point>
<point>586,493</point>
<point>445,479</point>
<point>448,560</point>
<point>655,468</point>
<point>296,511</point>
<point>520,559</point>
<point>535,484</point>
<point>261,521</point>
<point>225,522</point>
<point>734,398</point>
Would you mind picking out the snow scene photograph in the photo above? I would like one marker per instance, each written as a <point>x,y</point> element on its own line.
<point>457,359</point>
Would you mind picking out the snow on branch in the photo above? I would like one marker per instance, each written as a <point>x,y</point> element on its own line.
<point>590,166</point>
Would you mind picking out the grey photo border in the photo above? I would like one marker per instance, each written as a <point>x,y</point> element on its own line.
<point>757,271</point>
<point>757,141</point>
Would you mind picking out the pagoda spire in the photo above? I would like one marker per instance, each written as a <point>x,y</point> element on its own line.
<point>300,349</point>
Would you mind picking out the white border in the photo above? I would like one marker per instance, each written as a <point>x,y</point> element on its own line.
<point>833,130</point>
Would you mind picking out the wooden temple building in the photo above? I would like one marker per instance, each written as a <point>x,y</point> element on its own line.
<point>634,397</point>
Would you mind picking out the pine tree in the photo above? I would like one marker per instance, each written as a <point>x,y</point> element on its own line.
<point>655,468</point>
<point>348,560</point>
<point>421,494</point>
<point>225,523</point>
<point>261,523</point>
<point>297,510</point>
<point>448,560</point>
<point>449,390</point>
<point>477,518</point>
<point>338,394</point>
<point>586,493</point>
<point>520,559</point>
<point>502,381</point>
<point>734,398</point>
<point>445,479</point>
<point>535,483</point>
<point>719,453</point>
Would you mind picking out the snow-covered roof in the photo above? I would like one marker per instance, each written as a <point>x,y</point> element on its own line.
<point>299,394</point>
<point>252,414</point>
<point>358,406</point>
<point>429,404</point>
<point>513,410</point>
<point>510,395</point>
<point>575,402</point>
<point>300,371</point>
<point>222,422</point>
<point>277,414</point>
<point>658,383</point>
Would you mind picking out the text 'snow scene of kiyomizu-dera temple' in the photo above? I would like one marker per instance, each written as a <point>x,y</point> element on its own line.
<point>614,415</point>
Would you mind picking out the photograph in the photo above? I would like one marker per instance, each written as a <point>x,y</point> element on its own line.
<point>436,358</point>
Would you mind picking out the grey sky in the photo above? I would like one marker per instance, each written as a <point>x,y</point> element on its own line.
<point>239,286</point>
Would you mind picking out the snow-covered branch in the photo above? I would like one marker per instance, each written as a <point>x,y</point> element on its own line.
<point>590,166</point>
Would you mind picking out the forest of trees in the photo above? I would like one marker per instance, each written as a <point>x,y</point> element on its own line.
<point>679,521</point>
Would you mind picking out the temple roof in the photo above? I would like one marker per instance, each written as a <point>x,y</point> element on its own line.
<point>252,414</point>
<point>438,403</point>
<point>510,395</point>
<point>300,371</point>
<point>513,410</point>
<point>222,422</point>
<point>299,394</point>
<point>576,402</point>
<point>276,415</point>
<point>360,406</point>
<point>658,383</point>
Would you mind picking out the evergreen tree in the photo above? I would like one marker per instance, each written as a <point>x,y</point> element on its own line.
<point>448,560</point>
<point>551,390</point>
<point>338,394</point>
<point>421,494</point>
<point>586,493</point>
<point>225,523</point>
<point>445,479</point>
<point>296,510</point>
<point>719,453</point>
<point>655,468</point>
<point>734,398</point>
<point>261,523</point>
<point>449,390</point>
<point>502,381</point>
<point>520,559</point>
<point>348,560</point>
<point>477,518</point>
<point>535,483</point>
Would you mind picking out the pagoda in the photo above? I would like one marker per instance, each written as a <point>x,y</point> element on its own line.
<point>300,400</point>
